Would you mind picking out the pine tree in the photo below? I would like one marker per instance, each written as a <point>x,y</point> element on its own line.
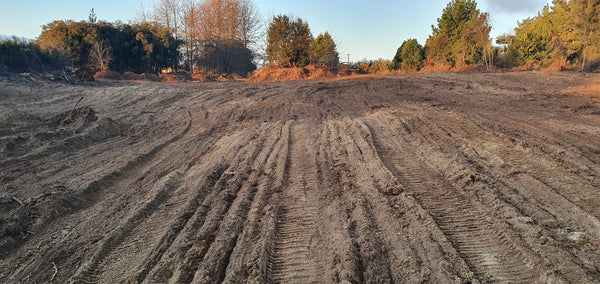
<point>324,50</point>
<point>289,42</point>
<point>409,56</point>
<point>586,20</point>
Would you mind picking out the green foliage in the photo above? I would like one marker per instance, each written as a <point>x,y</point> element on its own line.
<point>230,57</point>
<point>533,38</point>
<point>289,42</point>
<point>507,56</point>
<point>461,35</point>
<point>363,66</point>
<point>324,50</point>
<point>587,27</point>
<point>566,32</point>
<point>381,66</point>
<point>23,56</point>
<point>146,47</point>
<point>409,56</point>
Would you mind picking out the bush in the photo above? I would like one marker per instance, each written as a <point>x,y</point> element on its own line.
<point>381,66</point>
<point>409,56</point>
<point>363,67</point>
<point>23,56</point>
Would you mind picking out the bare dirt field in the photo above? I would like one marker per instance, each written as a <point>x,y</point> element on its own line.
<point>423,178</point>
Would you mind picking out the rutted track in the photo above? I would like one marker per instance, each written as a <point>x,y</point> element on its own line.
<point>291,260</point>
<point>423,178</point>
<point>491,254</point>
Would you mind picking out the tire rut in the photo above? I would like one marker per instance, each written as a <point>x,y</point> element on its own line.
<point>89,271</point>
<point>489,252</point>
<point>291,260</point>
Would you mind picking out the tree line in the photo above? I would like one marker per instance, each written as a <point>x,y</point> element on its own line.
<point>290,43</point>
<point>226,36</point>
<point>565,33</point>
<point>140,48</point>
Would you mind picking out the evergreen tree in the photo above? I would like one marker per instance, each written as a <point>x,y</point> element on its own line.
<point>289,42</point>
<point>586,21</point>
<point>324,50</point>
<point>461,34</point>
<point>409,56</point>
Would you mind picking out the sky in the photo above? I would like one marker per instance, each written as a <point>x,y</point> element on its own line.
<point>365,29</point>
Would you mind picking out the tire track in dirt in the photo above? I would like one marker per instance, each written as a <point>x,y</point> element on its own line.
<point>92,193</point>
<point>95,188</point>
<point>291,260</point>
<point>511,193</point>
<point>249,258</point>
<point>215,264</point>
<point>148,247</point>
<point>216,224</point>
<point>89,271</point>
<point>489,252</point>
<point>181,222</point>
<point>526,171</point>
<point>575,183</point>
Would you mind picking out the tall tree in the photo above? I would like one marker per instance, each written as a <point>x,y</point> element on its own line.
<point>101,55</point>
<point>92,17</point>
<point>409,55</point>
<point>458,32</point>
<point>324,50</point>
<point>225,29</point>
<point>146,47</point>
<point>586,19</point>
<point>168,13</point>
<point>289,41</point>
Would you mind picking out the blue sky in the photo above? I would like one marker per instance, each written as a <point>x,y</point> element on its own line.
<point>368,29</point>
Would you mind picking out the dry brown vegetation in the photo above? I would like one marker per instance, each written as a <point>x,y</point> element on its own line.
<point>438,177</point>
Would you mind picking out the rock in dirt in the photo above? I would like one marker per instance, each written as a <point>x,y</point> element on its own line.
<point>577,237</point>
<point>551,224</point>
<point>83,115</point>
<point>590,268</point>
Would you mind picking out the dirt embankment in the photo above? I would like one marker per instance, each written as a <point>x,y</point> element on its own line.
<point>440,178</point>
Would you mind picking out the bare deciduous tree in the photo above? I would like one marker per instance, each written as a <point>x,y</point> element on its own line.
<point>100,55</point>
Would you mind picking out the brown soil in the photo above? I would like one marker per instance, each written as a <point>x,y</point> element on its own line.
<point>274,73</point>
<point>437,178</point>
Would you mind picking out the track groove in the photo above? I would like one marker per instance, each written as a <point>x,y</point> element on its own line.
<point>291,260</point>
<point>89,271</point>
<point>485,249</point>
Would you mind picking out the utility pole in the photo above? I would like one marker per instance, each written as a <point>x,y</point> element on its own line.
<point>348,59</point>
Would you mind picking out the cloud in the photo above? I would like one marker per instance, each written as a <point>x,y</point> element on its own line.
<point>516,6</point>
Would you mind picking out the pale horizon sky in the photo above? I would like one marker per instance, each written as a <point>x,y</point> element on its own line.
<point>364,29</point>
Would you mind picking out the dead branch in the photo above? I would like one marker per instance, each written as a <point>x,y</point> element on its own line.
<point>55,271</point>
<point>17,200</point>
<point>65,75</point>
<point>74,107</point>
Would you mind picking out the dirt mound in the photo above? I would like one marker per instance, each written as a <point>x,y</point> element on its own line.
<point>133,76</point>
<point>272,73</point>
<point>344,70</point>
<point>110,75</point>
<point>198,77</point>
<point>317,71</point>
<point>237,77</point>
<point>85,73</point>
<point>168,78</point>
<point>222,79</point>
<point>79,116</point>
<point>151,77</point>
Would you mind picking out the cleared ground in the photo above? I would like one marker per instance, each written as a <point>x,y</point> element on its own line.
<point>438,178</point>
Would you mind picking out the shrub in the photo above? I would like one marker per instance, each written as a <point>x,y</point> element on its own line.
<point>381,66</point>
<point>24,56</point>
